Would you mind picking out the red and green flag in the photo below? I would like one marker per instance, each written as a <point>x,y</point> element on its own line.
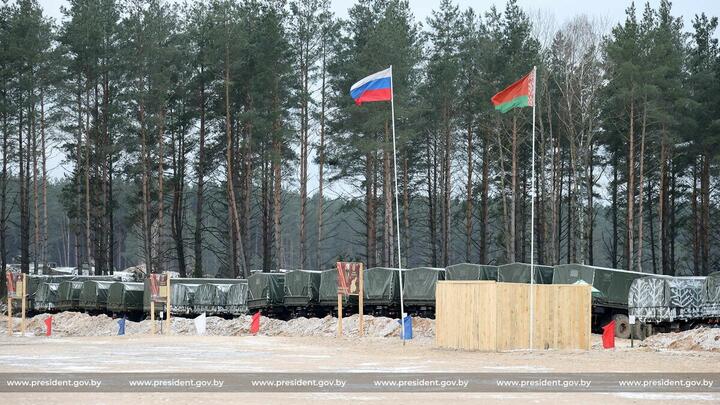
<point>519,94</point>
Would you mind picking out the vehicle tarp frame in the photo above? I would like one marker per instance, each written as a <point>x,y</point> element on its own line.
<point>302,288</point>
<point>520,273</point>
<point>419,285</point>
<point>124,297</point>
<point>265,290</point>
<point>470,271</point>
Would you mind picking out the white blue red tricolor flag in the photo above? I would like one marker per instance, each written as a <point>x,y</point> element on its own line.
<point>376,87</point>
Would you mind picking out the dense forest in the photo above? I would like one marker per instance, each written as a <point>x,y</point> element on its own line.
<point>216,137</point>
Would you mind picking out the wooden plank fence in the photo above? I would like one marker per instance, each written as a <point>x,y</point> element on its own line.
<point>490,316</point>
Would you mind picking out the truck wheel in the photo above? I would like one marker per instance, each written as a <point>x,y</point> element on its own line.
<point>622,326</point>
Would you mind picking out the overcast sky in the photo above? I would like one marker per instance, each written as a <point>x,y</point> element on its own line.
<point>611,11</point>
<point>614,10</point>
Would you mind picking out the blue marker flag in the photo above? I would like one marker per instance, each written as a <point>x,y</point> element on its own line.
<point>407,329</point>
<point>121,326</point>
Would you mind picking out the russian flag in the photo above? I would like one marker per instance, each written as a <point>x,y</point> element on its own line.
<point>376,87</point>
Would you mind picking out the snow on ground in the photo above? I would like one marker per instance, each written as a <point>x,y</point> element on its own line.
<point>80,324</point>
<point>700,339</point>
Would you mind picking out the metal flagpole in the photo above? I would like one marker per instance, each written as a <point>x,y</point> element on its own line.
<point>397,209</point>
<point>532,218</point>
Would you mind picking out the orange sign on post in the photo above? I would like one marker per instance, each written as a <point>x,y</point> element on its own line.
<point>160,292</point>
<point>350,282</point>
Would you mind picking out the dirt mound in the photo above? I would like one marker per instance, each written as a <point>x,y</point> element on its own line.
<point>701,339</point>
<point>80,324</point>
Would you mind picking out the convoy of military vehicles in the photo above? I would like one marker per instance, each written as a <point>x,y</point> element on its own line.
<point>636,301</point>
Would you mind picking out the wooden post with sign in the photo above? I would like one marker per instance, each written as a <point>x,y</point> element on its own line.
<point>159,292</point>
<point>350,282</point>
<point>16,290</point>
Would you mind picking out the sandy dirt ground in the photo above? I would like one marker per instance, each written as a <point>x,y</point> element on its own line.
<point>243,353</point>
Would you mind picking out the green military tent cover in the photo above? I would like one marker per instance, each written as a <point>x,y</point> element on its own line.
<point>265,290</point>
<point>302,288</point>
<point>125,297</point>
<point>520,273</point>
<point>382,286</point>
<point>237,298</point>
<point>69,295</point>
<point>711,296</point>
<point>419,285</point>
<point>610,286</point>
<point>469,271</point>
<point>46,297</point>
<point>328,291</point>
<point>94,295</point>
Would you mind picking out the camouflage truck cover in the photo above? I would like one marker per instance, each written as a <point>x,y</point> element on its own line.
<point>302,288</point>
<point>520,273</point>
<point>191,290</point>
<point>265,290</point>
<point>181,297</point>
<point>124,297</point>
<point>711,296</point>
<point>69,295</point>
<point>34,281</point>
<point>237,298</point>
<point>211,298</point>
<point>419,285</point>
<point>382,286</point>
<point>469,271</point>
<point>46,297</point>
<point>665,299</point>
<point>610,286</point>
<point>94,295</point>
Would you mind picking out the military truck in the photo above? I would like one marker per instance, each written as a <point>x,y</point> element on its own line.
<point>469,271</point>
<point>126,298</point>
<point>93,296</point>
<point>610,289</point>
<point>419,290</point>
<point>266,293</point>
<point>46,297</point>
<point>69,295</point>
<point>664,303</point>
<point>328,295</point>
<point>211,298</point>
<point>302,293</point>
<point>181,297</point>
<point>382,291</point>
<point>236,300</point>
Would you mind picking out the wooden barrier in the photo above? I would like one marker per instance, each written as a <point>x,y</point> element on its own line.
<point>490,316</point>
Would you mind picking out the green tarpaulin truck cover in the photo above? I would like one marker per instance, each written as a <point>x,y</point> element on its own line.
<point>469,271</point>
<point>125,297</point>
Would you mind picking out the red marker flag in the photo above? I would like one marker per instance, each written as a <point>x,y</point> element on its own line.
<point>48,326</point>
<point>608,336</point>
<point>255,324</point>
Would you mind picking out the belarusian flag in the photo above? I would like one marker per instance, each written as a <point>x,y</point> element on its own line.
<point>519,94</point>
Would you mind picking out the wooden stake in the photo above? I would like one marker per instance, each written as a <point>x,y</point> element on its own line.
<point>340,315</point>
<point>152,316</point>
<point>361,311</point>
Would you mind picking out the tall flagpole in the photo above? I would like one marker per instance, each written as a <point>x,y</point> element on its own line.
<point>397,209</point>
<point>532,217</point>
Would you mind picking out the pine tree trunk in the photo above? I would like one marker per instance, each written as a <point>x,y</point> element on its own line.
<point>3,195</point>
<point>484,204</point>
<point>513,185</point>
<point>277,203</point>
<point>88,209</point>
<point>388,256</point>
<point>160,248</point>
<point>321,165</point>
<point>36,194</point>
<point>446,190</point>
<point>641,173</point>
<point>705,221</point>
<point>469,194</point>
<point>199,199</point>
<point>630,237</point>
<point>614,208</point>
<point>404,261</point>
<point>239,255</point>
<point>431,193</point>
<point>370,246</point>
